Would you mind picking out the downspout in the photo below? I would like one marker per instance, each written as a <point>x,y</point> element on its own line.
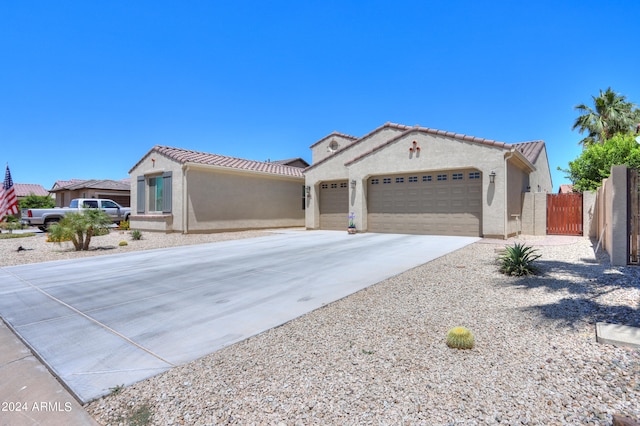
<point>506,194</point>
<point>185,200</point>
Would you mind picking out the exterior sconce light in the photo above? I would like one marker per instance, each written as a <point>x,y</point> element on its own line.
<point>492,176</point>
<point>353,183</point>
<point>307,190</point>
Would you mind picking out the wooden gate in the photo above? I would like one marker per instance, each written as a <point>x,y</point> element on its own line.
<point>633,215</point>
<point>564,214</point>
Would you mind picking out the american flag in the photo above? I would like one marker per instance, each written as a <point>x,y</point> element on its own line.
<point>8,199</point>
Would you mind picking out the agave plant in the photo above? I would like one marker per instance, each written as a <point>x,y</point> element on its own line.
<point>517,260</point>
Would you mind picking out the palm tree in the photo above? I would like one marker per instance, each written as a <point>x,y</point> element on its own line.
<point>612,115</point>
<point>80,227</point>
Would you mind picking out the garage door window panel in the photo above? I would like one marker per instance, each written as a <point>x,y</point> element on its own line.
<point>451,206</point>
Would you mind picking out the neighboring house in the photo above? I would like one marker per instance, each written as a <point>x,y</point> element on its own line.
<point>179,190</point>
<point>116,190</point>
<point>25,189</point>
<point>565,189</point>
<point>416,180</point>
<point>294,162</point>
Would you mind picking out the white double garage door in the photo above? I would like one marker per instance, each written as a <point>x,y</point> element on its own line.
<point>447,202</point>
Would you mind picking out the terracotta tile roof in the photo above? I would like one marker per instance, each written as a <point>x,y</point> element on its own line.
<point>64,183</point>
<point>409,129</point>
<point>119,185</point>
<point>184,156</point>
<point>565,189</point>
<point>531,150</point>
<point>25,189</point>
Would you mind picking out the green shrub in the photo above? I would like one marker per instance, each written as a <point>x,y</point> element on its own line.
<point>124,225</point>
<point>79,228</point>
<point>136,235</point>
<point>517,260</point>
<point>460,338</point>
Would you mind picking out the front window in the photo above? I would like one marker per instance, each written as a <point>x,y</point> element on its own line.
<point>155,193</point>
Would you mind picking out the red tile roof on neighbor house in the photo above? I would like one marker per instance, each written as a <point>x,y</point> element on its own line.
<point>184,156</point>
<point>120,185</point>
<point>25,189</point>
<point>565,189</point>
<point>64,183</point>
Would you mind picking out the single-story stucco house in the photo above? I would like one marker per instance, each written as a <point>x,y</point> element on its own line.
<point>116,190</point>
<point>417,180</point>
<point>179,190</point>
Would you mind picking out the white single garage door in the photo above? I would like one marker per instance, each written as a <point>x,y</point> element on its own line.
<point>447,202</point>
<point>334,205</point>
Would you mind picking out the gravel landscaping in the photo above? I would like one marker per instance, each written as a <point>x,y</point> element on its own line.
<point>380,357</point>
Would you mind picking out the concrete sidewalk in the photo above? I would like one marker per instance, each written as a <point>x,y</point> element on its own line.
<point>29,394</point>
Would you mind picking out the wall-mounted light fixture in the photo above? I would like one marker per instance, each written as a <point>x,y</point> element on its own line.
<point>307,190</point>
<point>353,183</point>
<point>492,176</point>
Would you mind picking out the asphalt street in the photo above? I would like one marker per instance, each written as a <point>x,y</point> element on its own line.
<point>105,321</point>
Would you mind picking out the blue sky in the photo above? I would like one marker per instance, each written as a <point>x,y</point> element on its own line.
<point>88,87</point>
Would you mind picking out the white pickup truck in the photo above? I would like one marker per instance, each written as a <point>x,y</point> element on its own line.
<point>42,218</point>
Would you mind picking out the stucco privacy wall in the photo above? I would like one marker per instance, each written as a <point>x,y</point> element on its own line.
<point>534,213</point>
<point>611,201</point>
<point>155,164</point>
<point>238,200</point>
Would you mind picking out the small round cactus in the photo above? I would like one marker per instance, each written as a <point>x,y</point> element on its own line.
<point>123,243</point>
<point>460,338</point>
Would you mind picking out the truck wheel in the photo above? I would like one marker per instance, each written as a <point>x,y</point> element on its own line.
<point>50,222</point>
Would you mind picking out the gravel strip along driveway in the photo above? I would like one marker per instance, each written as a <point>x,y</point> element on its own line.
<point>378,356</point>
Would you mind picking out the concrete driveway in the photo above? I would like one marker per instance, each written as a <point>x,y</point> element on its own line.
<point>104,321</point>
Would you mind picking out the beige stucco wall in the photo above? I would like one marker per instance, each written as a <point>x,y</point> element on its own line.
<point>589,215</point>
<point>218,198</point>
<point>157,222</point>
<point>518,182</point>
<point>436,153</point>
<point>534,213</point>
<point>615,209</point>
<point>222,199</point>
<point>320,150</point>
<point>540,179</point>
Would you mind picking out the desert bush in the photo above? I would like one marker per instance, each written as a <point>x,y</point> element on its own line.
<point>136,235</point>
<point>79,228</point>
<point>518,260</point>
